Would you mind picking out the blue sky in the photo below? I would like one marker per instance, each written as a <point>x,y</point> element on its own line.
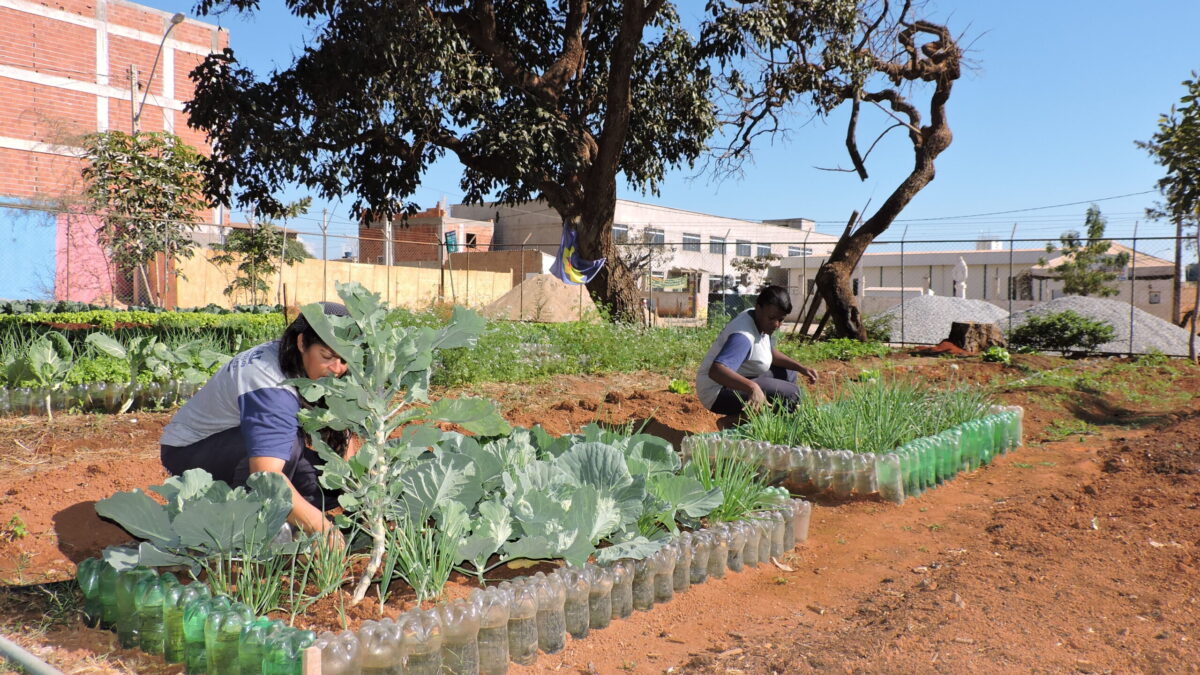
<point>1048,113</point>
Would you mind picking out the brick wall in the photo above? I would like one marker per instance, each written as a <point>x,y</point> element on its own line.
<point>54,86</point>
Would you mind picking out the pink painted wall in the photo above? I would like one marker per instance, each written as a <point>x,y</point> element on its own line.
<point>81,270</point>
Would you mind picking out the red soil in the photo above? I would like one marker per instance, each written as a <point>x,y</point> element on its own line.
<point>1076,553</point>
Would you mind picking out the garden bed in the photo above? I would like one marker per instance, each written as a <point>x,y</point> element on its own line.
<point>894,473</point>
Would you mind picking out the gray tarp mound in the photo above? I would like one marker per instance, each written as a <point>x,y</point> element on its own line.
<point>927,318</point>
<point>543,298</point>
<point>1150,333</point>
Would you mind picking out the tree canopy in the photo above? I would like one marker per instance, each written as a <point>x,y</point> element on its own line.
<point>147,188</point>
<point>535,99</point>
<point>1088,267</point>
<point>1176,146</point>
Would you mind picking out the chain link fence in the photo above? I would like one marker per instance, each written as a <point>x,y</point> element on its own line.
<point>683,279</point>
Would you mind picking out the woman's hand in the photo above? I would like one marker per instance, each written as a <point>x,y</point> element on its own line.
<point>757,398</point>
<point>808,373</point>
<point>353,444</point>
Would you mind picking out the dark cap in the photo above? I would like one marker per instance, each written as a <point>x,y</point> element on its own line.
<point>300,324</point>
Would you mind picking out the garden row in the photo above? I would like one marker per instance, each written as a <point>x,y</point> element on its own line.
<point>478,634</point>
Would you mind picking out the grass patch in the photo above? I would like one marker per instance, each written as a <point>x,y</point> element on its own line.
<point>1060,429</point>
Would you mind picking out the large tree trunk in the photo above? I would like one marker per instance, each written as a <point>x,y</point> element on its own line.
<point>936,61</point>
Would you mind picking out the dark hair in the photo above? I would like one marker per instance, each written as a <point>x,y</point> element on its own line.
<point>291,362</point>
<point>774,296</point>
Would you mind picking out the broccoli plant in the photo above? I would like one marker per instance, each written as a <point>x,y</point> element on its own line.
<point>383,400</point>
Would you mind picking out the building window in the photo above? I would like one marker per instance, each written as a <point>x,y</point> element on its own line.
<point>620,233</point>
<point>716,245</point>
<point>764,250</point>
<point>1155,297</point>
<point>743,247</point>
<point>654,236</point>
<point>855,285</point>
<point>691,242</point>
<point>472,240</point>
<point>794,251</point>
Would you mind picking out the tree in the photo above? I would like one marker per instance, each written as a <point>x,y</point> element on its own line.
<point>545,100</point>
<point>752,271</point>
<point>148,190</point>
<point>1088,268</point>
<point>1176,146</point>
<point>834,54</point>
<point>641,253</point>
<point>259,253</point>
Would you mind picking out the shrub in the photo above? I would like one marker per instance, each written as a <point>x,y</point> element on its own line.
<point>1062,332</point>
<point>997,354</point>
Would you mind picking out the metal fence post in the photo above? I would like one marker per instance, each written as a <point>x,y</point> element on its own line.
<point>1132,285</point>
<point>1012,283</point>
<point>903,236</point>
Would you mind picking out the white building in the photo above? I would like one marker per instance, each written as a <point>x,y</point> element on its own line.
<point>703,245</point>
<point>1012,279</point>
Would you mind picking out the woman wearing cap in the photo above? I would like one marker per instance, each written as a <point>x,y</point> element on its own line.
<point>743,367</point>
<point>244,420</point>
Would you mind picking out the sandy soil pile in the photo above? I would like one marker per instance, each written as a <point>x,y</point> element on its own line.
<point>543,298</point>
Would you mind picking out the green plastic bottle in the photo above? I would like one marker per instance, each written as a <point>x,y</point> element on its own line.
<point>175,600</point>
<point>87,575</point>
<point>285,651</point>
<point>252,642</point>
<point>222,629</point>
<point>127,627</point>
<point>148,614</point>
<point>107,582</point>
<point>194,617</point>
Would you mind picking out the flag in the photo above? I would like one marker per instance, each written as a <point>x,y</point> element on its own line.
<point>568,266</point>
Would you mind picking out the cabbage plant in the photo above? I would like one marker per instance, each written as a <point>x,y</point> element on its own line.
<point>383,400</point>
<point>46,361</point>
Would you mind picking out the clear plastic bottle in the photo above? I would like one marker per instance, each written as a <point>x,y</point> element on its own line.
<point>864,473</point>
<point>701,547</point>
<point>148,612</point>
<point>718,552</point>
<point>752,536</point>
<point>382,650</point>
<point>621,597</point>
<point>889,478</point>
<point>252,642</point>
<point>5,401</point>
<point>551,617</point>
<point>797,463</point>
<point>522,623</point>
<point>493,629</point>
<point>788,511</point>
<point>284,652</point>
<point>600,586</point>
<point>127,627</point>
<point>737,547</point>
<point>763,524</point>
<point>460,637</point>
<point>87,575</point>
<point>681,579</point>
<point>175,601</point>
<point>664,573</point>
<point>778,530</point>
<point>576,609</point>
<point>843,473</point>
<point>421,635</point>
<point>823,469</point>
<point>195,616</point>
<point>643,584</point>
<point>803,518</point>
<point>222,631</point>
<point>340,653</point>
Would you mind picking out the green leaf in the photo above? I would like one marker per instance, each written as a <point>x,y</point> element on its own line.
<point>140,516</point>
<point>595,464</point>
<point>107,345</point>
<point>476,415</point>
<point>432,482</point>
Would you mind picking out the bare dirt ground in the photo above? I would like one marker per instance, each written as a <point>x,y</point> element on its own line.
<point>1076,553</point>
